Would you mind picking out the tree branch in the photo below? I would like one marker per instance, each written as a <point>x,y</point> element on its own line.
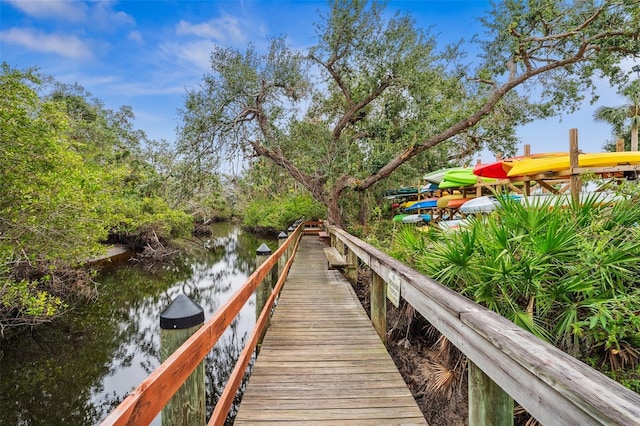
<point>462,125</point>
<point>351,112</point>
<point>312,184</point>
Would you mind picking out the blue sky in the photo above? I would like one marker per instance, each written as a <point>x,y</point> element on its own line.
<point>147,53</point>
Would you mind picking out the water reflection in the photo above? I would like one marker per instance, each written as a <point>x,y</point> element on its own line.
<point>75,371</point>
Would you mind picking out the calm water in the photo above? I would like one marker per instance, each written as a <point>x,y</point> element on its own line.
<point>76,370</point>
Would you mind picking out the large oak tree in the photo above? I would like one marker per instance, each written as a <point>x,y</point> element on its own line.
<point>374,92</point>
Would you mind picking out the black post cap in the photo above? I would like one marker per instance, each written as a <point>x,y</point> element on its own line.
<point>282,235</point>
<point>291,228</point>
<point>263,250</point>
<point>181,313</point>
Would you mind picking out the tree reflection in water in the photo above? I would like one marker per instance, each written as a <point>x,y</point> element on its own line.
<point>77,369</point>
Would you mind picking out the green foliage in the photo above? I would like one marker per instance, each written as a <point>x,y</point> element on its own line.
<point>72,172</point>
<point>28,300</point>
<point>279,213</point>
<point>139,216</point>
<point>568,275</point>
<point>52,198</point>
<point>624,119</point>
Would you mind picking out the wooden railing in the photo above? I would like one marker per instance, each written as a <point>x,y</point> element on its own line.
<point>145,402</point>
<point>552,386</point>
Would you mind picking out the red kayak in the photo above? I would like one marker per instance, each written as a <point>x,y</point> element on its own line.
<point>494,170</point>
<point>499,169</point>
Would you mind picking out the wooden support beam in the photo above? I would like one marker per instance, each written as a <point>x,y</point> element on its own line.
<point>379,306</point>
<point>574,179</point>
<point>352,266</point>
<point>489,405</point>
<point>564,189</point>
<point>177,323</point>
<point>546,186</point>
<point>518,190</point>
<point>527,183</point>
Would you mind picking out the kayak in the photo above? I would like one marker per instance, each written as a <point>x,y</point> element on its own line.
<point>485,204</point>
<point>455,204</point>
<point>533,166</point>
<point>444,200</point>
<point>499,169</point>
<point>407,204</point>
<point>416,218</point>
<point>436,177</point>
<point>399,217</point>
<point>429,203</point>
<point>461,177</point>
<point>465,176</point>
<point>453,224</point>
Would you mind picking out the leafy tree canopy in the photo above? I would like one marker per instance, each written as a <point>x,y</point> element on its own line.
<point>374,92</point>
<point>72,173</point>
<point>624,119</point>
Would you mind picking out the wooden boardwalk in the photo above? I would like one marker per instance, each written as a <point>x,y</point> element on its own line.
<point>321,361</point>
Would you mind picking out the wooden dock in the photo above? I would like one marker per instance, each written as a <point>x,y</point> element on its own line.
<point>321,361</point>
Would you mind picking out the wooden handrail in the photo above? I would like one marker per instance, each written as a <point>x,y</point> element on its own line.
<point>552,386</point>
<point>144,403</point>
<point>235,379</point>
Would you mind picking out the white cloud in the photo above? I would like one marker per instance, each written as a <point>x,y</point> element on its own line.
<point>100,14</point>
<point>74,11</point>
<point>224,29</point>
<point>103,15</point>
<point>136,37</point>
<point>195,53</point>
<point>67,46</point>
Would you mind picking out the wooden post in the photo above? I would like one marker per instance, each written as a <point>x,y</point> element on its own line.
<point>282,238</point>
<point>340,246</point>
<point>489,405</point>
<point>291,231</point>
<point>620,145</point>
<point>352,266</point>
<point>379,305</point>
<point>527,184</point>
<point>574,179</point>
<point>264,288</point>
<point>177,323</point>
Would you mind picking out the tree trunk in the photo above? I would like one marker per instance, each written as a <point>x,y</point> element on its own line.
<point>364,207</point>
<point>333,212</point>
<point>634,138</point>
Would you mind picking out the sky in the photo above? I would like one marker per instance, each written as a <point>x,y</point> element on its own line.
<point>147,54</point>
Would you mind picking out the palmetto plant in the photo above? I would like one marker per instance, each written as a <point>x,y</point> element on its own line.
<point>568,275</point>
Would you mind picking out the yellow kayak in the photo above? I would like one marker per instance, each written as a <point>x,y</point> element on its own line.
<point>533,166</point>
<point>444,200</point>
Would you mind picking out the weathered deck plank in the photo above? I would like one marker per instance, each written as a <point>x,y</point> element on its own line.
<point>321,361</point>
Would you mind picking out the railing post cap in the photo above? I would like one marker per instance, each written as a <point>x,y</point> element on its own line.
<point>181,313</point>
<point>290,229</point>
<point>263,250</point>
<point>282,235</point>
